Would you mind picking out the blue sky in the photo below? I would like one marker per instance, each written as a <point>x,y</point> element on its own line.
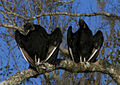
<point>84,6</point>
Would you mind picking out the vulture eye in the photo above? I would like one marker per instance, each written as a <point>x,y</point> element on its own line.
<point>36,46</point>
<point>82,45</point>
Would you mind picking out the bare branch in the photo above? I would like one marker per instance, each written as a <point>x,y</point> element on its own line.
<point>64,1</point>
<point>99,66</point>
<point>10,26</point>
<point>13,13</point>
<point>9,2</point>
<point>6,18</point>
<point>63,13</point>
<point>8,11</point>
<point>76,15</point>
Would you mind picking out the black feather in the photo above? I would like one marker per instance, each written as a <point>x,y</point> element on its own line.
<point>98,40</point>
<point>36,44</point>
<point>82,43</point>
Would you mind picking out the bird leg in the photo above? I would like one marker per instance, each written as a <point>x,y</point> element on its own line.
<point>82,62</point>
<point>84,59</point>
<point>80,59</point>
<point>39,63</point>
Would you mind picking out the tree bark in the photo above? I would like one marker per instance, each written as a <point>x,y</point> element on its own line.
<point>68,65</point>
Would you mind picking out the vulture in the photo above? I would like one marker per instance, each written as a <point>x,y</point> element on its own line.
<point>37,46</point>
<point>83,46</point>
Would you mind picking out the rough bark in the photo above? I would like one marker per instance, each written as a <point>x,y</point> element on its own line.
<point>99,66</point>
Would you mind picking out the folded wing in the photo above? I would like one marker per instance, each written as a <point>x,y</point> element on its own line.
<point>98,40</point>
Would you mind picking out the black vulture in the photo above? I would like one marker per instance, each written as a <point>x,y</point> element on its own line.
<point>82,45</point>
<point>37,46</point>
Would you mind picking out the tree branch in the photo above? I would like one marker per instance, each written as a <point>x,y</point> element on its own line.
<point>64,1</point>
<point>63,13</point>
<point>13,13</point>
<point>99,66</point>
<point>76,15</point>
<point>10,26</point>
